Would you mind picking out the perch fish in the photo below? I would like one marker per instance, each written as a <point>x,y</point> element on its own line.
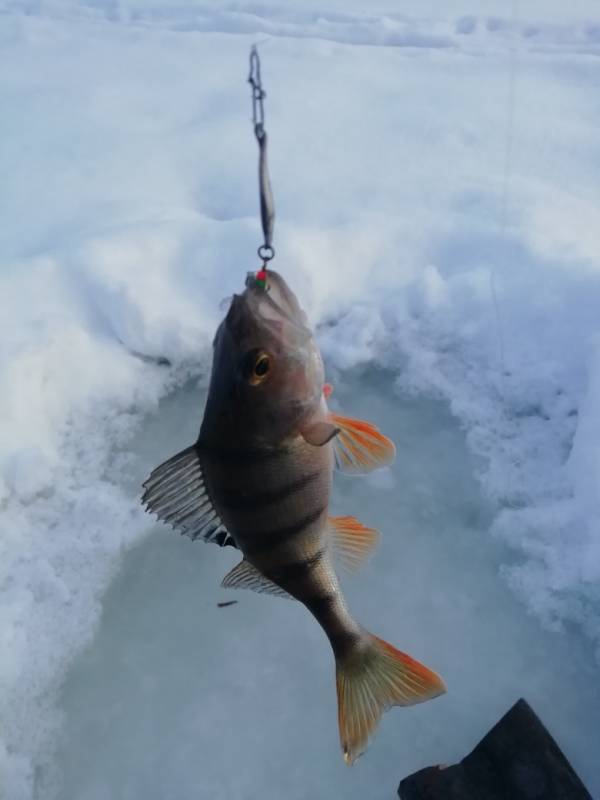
<point>259,479</point>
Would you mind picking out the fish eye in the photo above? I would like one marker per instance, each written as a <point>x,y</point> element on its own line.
<point>262,366</point>
<point>256,366</point>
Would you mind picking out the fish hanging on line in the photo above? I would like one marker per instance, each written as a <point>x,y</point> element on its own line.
<point>259,478</point>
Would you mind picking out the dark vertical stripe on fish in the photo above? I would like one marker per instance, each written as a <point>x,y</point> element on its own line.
<point>258,542</point>
<point>320,604</point>
<point>240,455</point>
<point>342,641</point>
<point>296,570</point>
<point>241,501</point>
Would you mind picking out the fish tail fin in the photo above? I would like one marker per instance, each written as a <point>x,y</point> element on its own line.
<point>371,678</point>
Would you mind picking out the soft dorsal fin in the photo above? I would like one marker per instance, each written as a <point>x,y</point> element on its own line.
<point>176,493</point>
<point>319,433</point>
<point>351,541</point>
<point>245,576</point>
<point>359,446</point>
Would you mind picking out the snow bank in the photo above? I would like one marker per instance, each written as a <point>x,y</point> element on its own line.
<point>129,212</point>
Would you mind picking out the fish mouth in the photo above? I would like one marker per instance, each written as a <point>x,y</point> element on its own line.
<point>272,307</point>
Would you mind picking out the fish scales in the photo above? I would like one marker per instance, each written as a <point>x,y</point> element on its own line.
<point>284,534</point>
<point>260,476</point>
<point>279,530</point>
<point>268,492</point>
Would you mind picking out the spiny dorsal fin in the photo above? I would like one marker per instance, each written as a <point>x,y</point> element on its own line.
<point>176,493</point>
<point>351,541</point>
<point>359,446</point>
<point>245,576</point>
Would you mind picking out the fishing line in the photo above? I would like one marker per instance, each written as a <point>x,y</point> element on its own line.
<point>506,176</point>
<point>267,208</point>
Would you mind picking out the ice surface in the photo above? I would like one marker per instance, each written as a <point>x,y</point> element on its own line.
<point>178,698</point>
<point>435,178</point>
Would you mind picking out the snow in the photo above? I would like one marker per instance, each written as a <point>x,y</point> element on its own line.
<point>438,214</point>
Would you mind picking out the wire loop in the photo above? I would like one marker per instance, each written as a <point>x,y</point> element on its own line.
<point>265,252</point>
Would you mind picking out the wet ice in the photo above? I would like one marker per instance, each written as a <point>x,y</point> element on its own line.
<point>177,697</point>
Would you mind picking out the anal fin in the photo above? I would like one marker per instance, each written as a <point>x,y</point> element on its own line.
<point>246,576</point>
<point>351,541</point>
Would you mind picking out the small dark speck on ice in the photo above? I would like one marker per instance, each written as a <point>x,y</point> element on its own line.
<point>226,603</point>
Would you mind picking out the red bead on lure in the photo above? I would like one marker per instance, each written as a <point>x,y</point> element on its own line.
<point>261,278</point>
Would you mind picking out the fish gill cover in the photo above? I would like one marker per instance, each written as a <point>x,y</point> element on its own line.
<point>128,209</point>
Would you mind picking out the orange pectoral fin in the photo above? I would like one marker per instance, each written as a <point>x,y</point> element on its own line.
<point>360,447</point>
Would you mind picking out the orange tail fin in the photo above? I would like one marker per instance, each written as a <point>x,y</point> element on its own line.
<point>372,678</point>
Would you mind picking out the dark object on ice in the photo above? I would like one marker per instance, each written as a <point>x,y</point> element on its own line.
<point>225,603</point>
<point>160,361</point>
<point>517,760</point>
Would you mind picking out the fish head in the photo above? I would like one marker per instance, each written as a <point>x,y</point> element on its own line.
<point>267,374</point>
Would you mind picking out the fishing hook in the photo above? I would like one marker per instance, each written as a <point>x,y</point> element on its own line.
<point>267,209</point>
